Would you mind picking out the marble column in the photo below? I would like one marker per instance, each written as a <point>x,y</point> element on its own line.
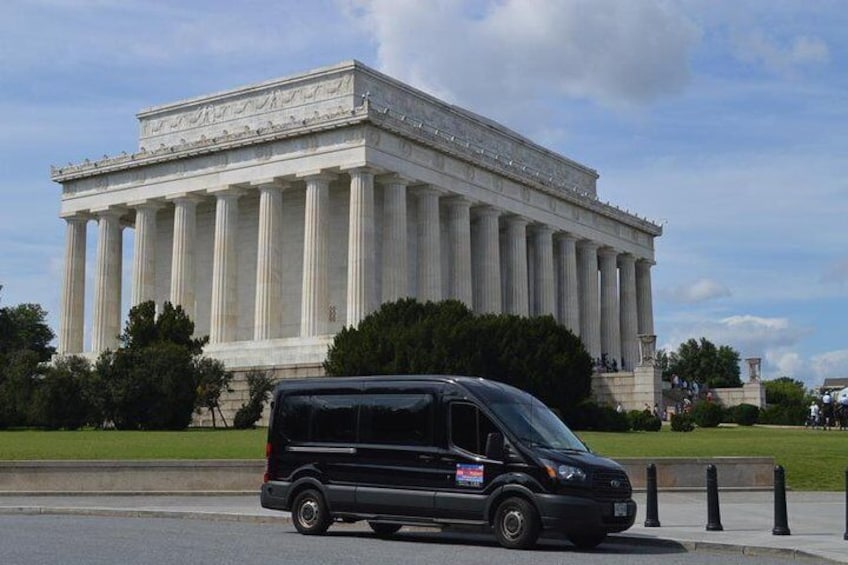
<point>315,298</point>
<point>268,305</point>
<point>629,313</point>
<point>545,292</point>
<point>610,316</point>
<point>361,269</point>
<point>429,245</point>
<point>395,273</point>
<point>568,298</point>
<point>72,314</point>
<point>182,256</point>
<point>516,292</point>
<point>459,236</point>
<point>223,319</point>
<point>587,283</point>
<point>106,319</point>
<point>487,295</point>
<point>644,303</point>
<point>144,252</point>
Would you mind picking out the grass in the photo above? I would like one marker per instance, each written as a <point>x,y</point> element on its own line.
<point>113,444</point>
<point>813,459</point>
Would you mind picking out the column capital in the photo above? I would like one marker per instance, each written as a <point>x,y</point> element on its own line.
<point>146,204</point>
<point>486,210</point>
<point>541,229</point>
<point>109,212</point>
<point>588,244</point>
<point>361,169</point>
<point>514,220</point>
<point>645,263</point>
<point>457,200</point>
<point>76,217</point>
<point>565,236</point>
<point>270,183</point>
<point>426,190</point>
<point>609,252</point>
<point>626,258</point>
<point>227,191</point>
<point>392,178</point>
<point>186,198</point>
<point>317,175</point>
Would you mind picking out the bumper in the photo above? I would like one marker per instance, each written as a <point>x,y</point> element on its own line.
<point>578,515</point>
<point>274,495</point>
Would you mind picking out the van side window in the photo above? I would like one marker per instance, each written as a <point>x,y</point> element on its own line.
<point>334,418</point>
<point>295,415</point>
<point>469,427</point>
<point>396,419</point>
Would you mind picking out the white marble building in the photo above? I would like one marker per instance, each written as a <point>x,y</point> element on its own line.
<point>278,213</point>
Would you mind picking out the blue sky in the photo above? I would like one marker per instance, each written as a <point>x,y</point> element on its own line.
<point>723,120</point>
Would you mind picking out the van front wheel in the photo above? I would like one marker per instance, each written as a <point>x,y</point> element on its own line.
<point>310,513</point>
<point>517,524</point>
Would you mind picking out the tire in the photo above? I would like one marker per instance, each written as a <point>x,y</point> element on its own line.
<point>383,529</point>
<point>310,513</point>
<point>587,541</point>
<point>517,524</point>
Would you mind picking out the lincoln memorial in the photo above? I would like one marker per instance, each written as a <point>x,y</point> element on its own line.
<point>280,212</point>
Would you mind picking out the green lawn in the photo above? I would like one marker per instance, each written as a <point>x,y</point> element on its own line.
<point>113,444</point>
<point>813,459</point>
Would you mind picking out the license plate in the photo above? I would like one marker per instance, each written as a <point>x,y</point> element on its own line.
<point>619,509</point>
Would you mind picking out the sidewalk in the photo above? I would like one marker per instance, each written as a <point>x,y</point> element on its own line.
<point>816,519</point>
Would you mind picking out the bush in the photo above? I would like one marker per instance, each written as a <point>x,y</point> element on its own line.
<point>707,414</point>
<point>643,421</point>
<point>682,423</point>
<point>408,337</point>
<point>783,415</point>
<point>63,399</point>
<point>590,416</point>
<point>259,386</point>
<point>745,414</point>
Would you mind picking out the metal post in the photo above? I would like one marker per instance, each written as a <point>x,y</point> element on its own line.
<point>845,535</point>
<point>781,522</point>
<point>652,519</point>
<point>713,513</point>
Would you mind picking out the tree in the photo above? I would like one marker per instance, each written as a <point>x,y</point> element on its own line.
<point>23,327</point>
<point>259,386</point>
<point>151,381</point>
<point>408,337</point>
<point>65,398</point>
<point>785,391</point>
<point>703,362</point>
<point>212,380</point>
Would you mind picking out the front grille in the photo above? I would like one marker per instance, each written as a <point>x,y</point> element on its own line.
<point>603,489</point>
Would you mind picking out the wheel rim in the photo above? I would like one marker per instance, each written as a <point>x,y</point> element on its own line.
<point>308,513</point>
<point>512,524</point>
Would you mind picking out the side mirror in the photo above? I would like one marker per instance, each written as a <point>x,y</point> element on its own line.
<point>495,446</point>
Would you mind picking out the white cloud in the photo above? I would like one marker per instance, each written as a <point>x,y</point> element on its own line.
<point>700,290</point>
<point>505,52</point>
<point>785,58</point>
<point>831,364</point>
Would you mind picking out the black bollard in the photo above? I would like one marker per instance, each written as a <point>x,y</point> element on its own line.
<point>845,535</point>
<point>652,519</point>
<point>781,522</point>
<point>713,513</point>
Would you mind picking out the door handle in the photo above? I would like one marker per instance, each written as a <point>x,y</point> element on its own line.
<point>423,457</point>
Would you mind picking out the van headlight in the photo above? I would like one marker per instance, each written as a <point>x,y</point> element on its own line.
<point>565,473</point>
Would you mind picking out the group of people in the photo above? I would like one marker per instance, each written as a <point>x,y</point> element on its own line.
<point>830,413</point>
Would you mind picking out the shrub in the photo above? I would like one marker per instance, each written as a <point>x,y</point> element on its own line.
<point>682,423</point>
<point>590,416</point>
<point>783,415</point>
<point>259,386</point>
<point>745,414</point>
<point>707,414</point>
<point>63,399</point>
<point>643,421</point>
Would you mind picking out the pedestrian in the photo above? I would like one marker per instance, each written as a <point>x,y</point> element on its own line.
<point>619,408</point>
<point>813,419</point>
<point>827,409</point>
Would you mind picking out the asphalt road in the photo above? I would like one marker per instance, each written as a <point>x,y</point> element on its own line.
<point>78,540</point>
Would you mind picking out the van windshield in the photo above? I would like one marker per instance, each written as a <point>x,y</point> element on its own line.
<point>536,425</point>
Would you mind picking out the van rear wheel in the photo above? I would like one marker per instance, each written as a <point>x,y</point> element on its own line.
<point>384,530</point>
<point>517,524</point>
<point>310,513</point>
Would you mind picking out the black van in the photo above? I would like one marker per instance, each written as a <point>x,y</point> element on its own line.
<point>436,450</point>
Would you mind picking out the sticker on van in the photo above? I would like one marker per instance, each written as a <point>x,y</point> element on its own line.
<point>469,475</point>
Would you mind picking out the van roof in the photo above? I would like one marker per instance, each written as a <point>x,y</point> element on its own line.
<point>487,389</point>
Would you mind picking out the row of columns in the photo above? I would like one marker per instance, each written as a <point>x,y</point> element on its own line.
<point>606,312</point>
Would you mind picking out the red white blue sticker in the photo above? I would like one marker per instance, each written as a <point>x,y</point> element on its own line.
<point>469,475</point>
